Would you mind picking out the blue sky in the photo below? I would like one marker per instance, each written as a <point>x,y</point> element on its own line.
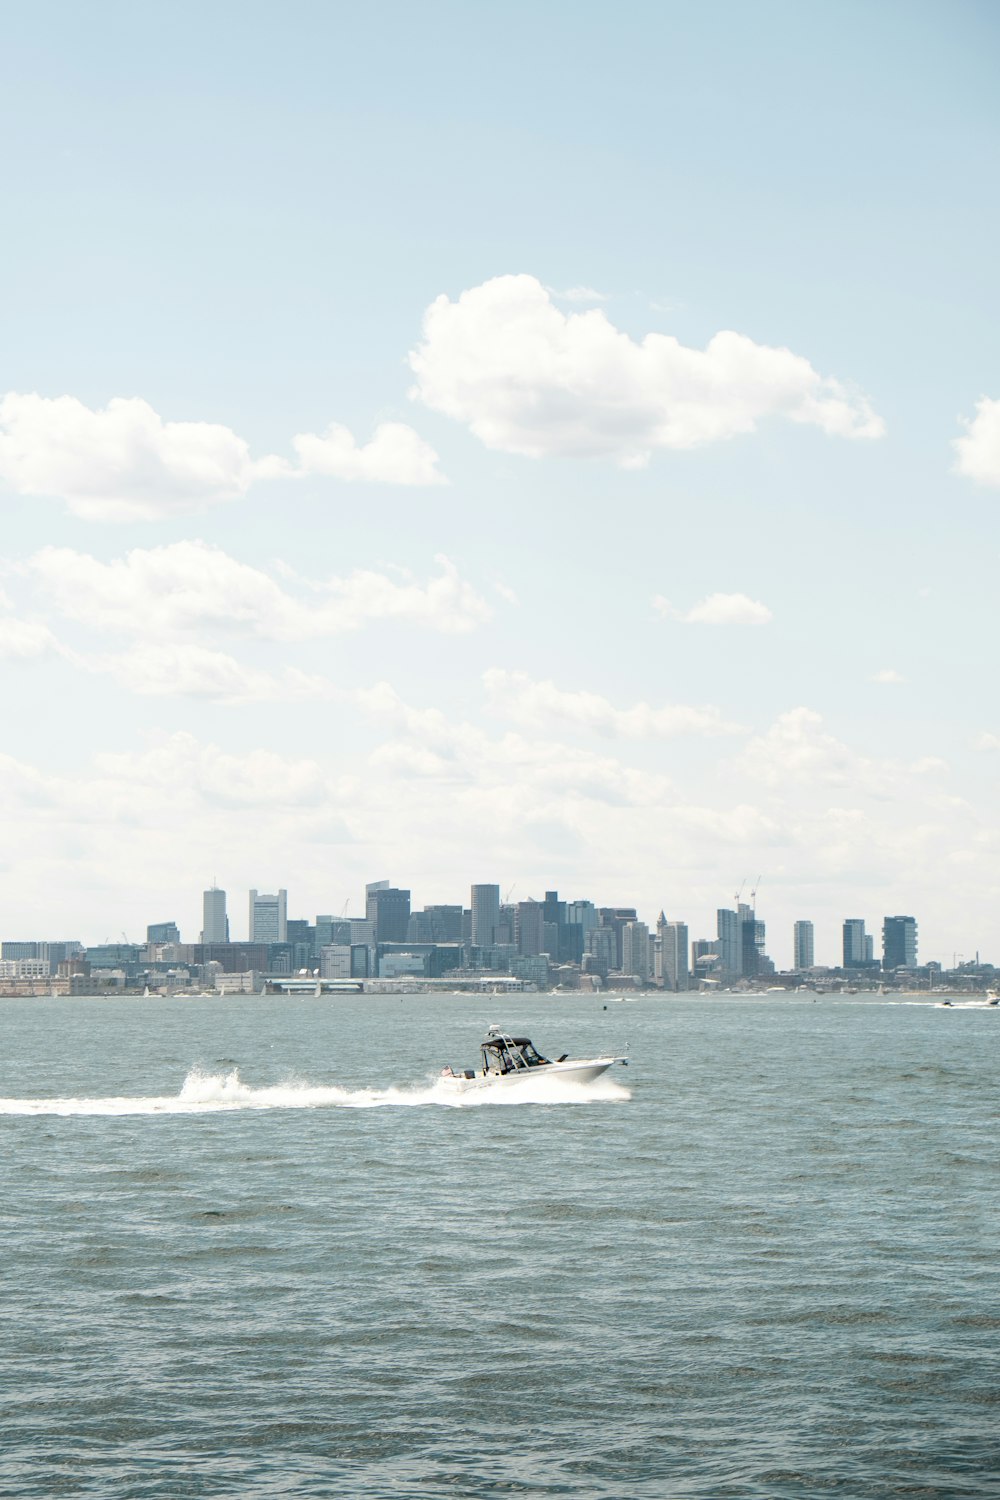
<point>229,654</point>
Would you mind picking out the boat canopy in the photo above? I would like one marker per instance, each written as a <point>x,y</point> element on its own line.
<point>508,1054</point>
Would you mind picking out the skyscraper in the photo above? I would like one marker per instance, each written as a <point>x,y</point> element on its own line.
<point>485,905</point>
<point>529,928</point>
<point>899,943</point>
<point>674,955</point>
<point>803,946</point>
<point>635,950</point>
<point>855,944</point>
<point>730,944</point>
<point>215,923</point>
<point>268,917</point>
<point>389,908</point>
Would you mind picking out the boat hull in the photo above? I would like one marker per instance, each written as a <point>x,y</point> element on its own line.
<point>580,1070</point>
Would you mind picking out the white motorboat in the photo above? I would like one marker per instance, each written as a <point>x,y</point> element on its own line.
<point>515,1059</point>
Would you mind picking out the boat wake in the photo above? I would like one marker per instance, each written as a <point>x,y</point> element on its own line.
<point>208,1093</point>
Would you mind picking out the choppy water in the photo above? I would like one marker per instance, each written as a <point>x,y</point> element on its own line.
<point>252,1248</point>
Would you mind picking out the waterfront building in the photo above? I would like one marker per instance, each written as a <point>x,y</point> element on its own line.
<point>616,918</point>
<point>214,922</point>
<point>484,904</point>
<point>753,960</point>
<point>899,943</point>
<point>803,950</point>
<point>268,917</point>
<point>728,926</point>
<point>674,971</point>
<point>389,908</point>
<point>857,944</point>
<point>635,950</point>
<point>529,929</point>
<point>330,930</point>
<point>602,949</point>
<point>17,951</point>
<point>705,962</point>
<point>335,961</point>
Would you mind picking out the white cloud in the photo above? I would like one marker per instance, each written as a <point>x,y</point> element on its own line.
<point>125,463</point>
<point>395,455</point>
<point>121,463</point>
<point>530,703</point>
<point>181,765</point>
<point>530,379</point>
<point>427,744</point>
<point>797,749</point>
<point>578,294</point>
<point>987,741</point>
<point>717,609</point>
<point>979,449</point>
<point>192,586</point>
<point>887,675</point>
<point>23,640</point>
<point>190,671</point>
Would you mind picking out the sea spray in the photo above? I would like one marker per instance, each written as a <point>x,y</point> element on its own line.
<point>207,1093</point>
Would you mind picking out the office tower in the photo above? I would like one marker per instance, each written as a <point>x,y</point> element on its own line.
<point>158,933</point>
<point>803,946</point>
<point>635,950</point>
<point>529,926</point>
<point>18,951</point>
<point>485,907</point>
<point>214,922</point>
<point>899,943</point>
<point>674,969</point>
<point>582,915</point>
<point>268,917</point>
<point>389,908</point>
<point>753,959</point>
<point>600,948</point>
<point>855,944</point>
<point>616,918</point>
<point>730,944</point>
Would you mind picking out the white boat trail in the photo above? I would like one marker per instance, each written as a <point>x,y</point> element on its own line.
<point>211,1093</point>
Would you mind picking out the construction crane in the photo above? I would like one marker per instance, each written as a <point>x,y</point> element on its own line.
<point>510,893</point>
<point>753,896</point>
<point>739,893</point>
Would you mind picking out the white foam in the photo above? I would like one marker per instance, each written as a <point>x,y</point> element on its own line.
<point>207,1093</point>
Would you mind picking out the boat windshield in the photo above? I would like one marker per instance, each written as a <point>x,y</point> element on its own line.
<point>509,1054</point>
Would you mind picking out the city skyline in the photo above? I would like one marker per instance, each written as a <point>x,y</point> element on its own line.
<point>735,934</point>
<point>605,497</point>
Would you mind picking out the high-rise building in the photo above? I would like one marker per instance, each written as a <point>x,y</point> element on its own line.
<point>804,957</point>
<point>485,907</point>
<point>674,970</point>
<point>158,933</point>
<point>616,918</point>
<point>899,943</point>
<point>268,917</point>
<point>214,922</point>
<point>635,950</point>
<point>729,926</point>
<point>753,959</point>
<point>389,908</point>
<point>856,944</point>
<point>529,928</point>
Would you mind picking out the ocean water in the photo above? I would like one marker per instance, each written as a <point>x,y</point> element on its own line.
<point>250,1247</point>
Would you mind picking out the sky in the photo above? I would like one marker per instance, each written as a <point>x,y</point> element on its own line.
<point>548,445</point>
